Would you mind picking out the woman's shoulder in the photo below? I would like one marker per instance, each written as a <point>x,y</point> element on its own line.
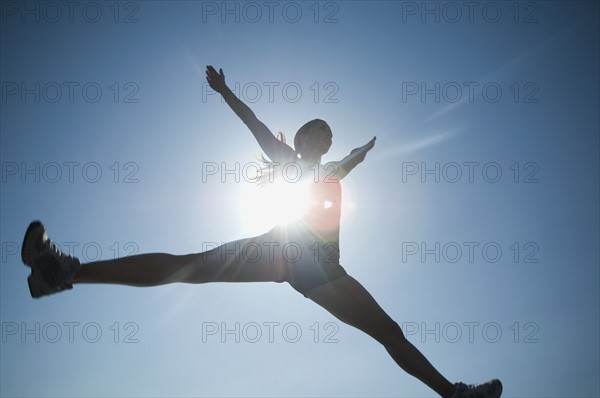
<point>296,170</point>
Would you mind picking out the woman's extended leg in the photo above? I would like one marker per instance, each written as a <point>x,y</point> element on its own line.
<point>350,302</point>
<point>245,260</point>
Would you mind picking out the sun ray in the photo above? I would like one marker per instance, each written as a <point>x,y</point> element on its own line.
<point>276,203</point>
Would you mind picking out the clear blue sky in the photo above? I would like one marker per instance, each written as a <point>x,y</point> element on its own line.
<point>106,125</point>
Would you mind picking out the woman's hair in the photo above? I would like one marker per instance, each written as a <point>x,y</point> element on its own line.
<point>301,134</point>
<point>298,143</point>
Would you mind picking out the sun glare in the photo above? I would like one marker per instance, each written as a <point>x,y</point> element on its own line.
<point>280,202</point>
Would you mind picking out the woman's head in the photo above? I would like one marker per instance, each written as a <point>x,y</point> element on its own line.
<point>313,139</point>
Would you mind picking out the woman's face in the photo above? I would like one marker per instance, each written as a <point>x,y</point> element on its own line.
<point>318,139</point>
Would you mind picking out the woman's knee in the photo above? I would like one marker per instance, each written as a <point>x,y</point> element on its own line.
<point>391,333</point>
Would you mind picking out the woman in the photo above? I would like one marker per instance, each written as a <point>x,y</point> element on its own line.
<point>313,268</point>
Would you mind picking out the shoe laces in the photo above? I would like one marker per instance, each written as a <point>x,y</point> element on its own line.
<point>464,390</point>
<point>57,253</point>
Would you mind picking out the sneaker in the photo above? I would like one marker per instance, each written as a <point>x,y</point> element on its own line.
<point>52,270</point>
<point>490,389</point>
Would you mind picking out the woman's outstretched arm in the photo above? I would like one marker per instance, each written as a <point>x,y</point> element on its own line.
<point>357,155</point>
<point>273,148</point>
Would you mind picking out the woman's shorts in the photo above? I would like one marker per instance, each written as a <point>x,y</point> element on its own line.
<point>309,262</point>
<point>305,278</point>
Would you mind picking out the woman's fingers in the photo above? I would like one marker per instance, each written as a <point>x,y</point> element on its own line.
<point>215,79</point>
<point>213,74</point>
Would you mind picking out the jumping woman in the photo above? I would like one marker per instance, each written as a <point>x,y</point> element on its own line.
<point>316,272</point>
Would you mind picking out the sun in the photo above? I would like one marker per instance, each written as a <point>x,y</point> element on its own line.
<point>280,202</point>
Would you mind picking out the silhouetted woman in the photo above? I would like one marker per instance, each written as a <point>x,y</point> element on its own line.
<point>313,268</point>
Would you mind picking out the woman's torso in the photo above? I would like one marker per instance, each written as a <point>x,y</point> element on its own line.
<point>316,231</point>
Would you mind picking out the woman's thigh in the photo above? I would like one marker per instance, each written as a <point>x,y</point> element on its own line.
<point>350,302</point>
<point>256,259</point>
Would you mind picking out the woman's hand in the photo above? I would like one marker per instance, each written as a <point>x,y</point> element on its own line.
<point>360,153</point>
<point>215,80</point>
<point>356,156</point>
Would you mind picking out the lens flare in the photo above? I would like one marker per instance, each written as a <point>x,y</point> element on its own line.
<point>277,203</point>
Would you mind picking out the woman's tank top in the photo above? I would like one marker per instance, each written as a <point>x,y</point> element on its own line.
<point>323,213</point>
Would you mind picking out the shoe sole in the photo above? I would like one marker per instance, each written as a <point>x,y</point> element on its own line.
<point>26,254</point>
<point>35,286</point>
<point>500,388</point>
<point>34,281</point>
